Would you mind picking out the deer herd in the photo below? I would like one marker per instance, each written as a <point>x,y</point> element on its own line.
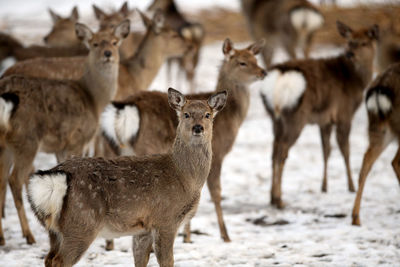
<point>133,162</point>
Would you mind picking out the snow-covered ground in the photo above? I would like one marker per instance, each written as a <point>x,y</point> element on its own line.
<point>318,229</point>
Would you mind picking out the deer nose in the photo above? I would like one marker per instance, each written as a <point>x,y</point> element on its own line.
<point>349,54</point>
<point>197,129</point>
<point>45,39</point>
<point>107,53</point>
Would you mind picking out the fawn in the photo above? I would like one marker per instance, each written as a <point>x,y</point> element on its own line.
<point>326,92</point>
<point>63,32</point>
<point>147,197</point>
<point>58,117</point>
<point>143,125</point>
<point>135,74</point>
<point>289,23</point>
<point>192,32</point>
<point>382,103</point>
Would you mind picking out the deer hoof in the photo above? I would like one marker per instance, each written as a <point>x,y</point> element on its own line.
<point>226,239</point>
<point>109,245</point>
<point>2,241</point>
<point>30,239</point>
<point>356,221</point>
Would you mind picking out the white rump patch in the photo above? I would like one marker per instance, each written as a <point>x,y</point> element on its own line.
<point>283,90</point>
<point>379,102</point>
<point>47,192</point>
<point>120,125</point>
<point>306,19</point>
<point>5,112</point>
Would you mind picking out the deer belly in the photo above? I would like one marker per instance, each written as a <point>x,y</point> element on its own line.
<point>109,232</point>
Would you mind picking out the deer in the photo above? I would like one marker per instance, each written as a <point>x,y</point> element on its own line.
<point>382,104</point>
<point>192,32</point>
<point>142,125</point>
<point>135,73</point>
<point>62,33</point>
<point>388,48</point>
<point>326,92</point>
<point>148,197</point>
<point>59,117</point>
<point>288,23</point>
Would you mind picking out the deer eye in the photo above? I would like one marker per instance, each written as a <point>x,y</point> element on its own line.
<point>95,44</point>
<point>208,115</point>
<point>242,64</point>
<point>114,43</point>
<point>186,115</point>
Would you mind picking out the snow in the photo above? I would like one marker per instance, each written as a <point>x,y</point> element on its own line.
<point>311,237</point>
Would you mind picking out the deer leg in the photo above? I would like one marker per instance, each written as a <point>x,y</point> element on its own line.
<point>214,186</point>
<point>5,166</point>
<point>280,153</point>
<point>163,246</point>
<point>54,248</point>
<point>396,164</point>
<point>326,149</point>
<point>307,45</point>
<point>142,246</point>
<point>267,53</point>
<point>109,244</point>
<point>187,234</point>
<point>342,136</point>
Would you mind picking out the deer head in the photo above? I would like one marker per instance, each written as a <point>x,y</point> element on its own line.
<point>110,21</point>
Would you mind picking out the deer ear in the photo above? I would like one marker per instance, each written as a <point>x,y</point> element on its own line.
<point>373,32</point>
<point>100,15</point>
<point>344,30</point>
<point>74,14</point>
<point>146,20</point>
<point>123,29</point>
<point>175,99</point>
<point>217,101</point>
<point>54,16</point>
<point>256,47</point>
<point>158,20</point>
<point>124,10</point>
<point>227,47</point>
<point>83,33</point>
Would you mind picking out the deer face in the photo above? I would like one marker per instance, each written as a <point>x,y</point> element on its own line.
<point>63,32</point>
<point>196,116</point>
<point>360,44</point>
<point>242,64</point>
<point>103,46</point>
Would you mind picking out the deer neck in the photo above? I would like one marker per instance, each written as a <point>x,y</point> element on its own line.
<point>362,69</point>
<point>101,83</point>
<point>193,162</point>
<point>146,62</point>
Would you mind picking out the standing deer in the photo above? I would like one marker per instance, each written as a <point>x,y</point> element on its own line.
<point>58,117</point>
<point>192,32</point>
<point>289,23</point>
<point>326,92</point>
<point>143,125</point>
<point>148,197</point>
<point>63,32</point>
<point>383,105</point>
<point>388,48</point>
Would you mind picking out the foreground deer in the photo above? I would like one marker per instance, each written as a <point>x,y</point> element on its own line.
<point>143,125</point>
<point>322,91</point>
<point>193,33</point>
<point>383,107</point>
<point>58,117</point>
<point>63,32</point>
<point>135,74</point>
<point>289,23</point>
<point>148,197</point>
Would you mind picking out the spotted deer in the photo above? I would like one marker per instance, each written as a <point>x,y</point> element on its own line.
<point>142,124</point>
<point>286,23</point>
<point>192,32</point>
<point>383,105</point>
<point>326,92</point>
<point>135,73</point>
<point>62,33</point>
<point>58,117</point>
<point>148,197</point>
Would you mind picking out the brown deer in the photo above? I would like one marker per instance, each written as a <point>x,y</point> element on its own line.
<point>58,117</point>
<point>326,92</point>
<point>135,74</point>
<point>63,32</point>
<point>289,23</point>
<point>142,124</point>
<point>147,197</point>
<point>388,48</point>
<point>192,32</point>
<point>383,104</point>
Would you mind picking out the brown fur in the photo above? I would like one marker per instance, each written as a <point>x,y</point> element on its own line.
<point>148,197</point>
<point>388,49</point>
<point>334,90</point>
<point>58,117</point>
<point>62,33</point>
<point>384,127</point>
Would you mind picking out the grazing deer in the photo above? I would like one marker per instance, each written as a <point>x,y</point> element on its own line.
<point>63,32</point>
<point>135,74</point>
<point>326,92</point>
<point>193,33</point>
<point>289,23</point>
<point>143,125</point>
<point>383,105</point>
<point>58,117</point>
<point>148,197</point>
